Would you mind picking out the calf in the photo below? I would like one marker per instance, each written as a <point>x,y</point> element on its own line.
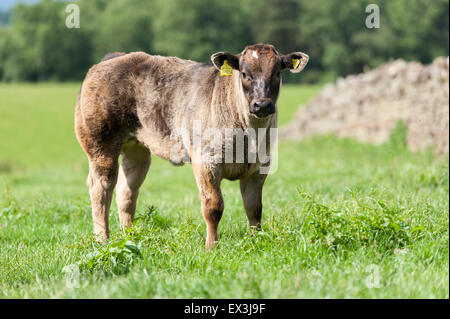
<point>139,104</point>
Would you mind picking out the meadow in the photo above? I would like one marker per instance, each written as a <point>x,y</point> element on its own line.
<point>340,220</point>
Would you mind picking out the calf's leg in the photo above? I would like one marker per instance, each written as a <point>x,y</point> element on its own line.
<point>132,171</point>
<point>212,202</point>
<point>101,182</point>
<point>251,191</point>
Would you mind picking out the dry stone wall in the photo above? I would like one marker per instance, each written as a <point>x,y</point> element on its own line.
<point>368,106</point>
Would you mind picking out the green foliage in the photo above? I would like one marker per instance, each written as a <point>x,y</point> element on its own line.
<point>193,30</point>
<point>275,22</point>
<point>36,45</point>
<point>121,27</point>
<point>148,220</point>
<point>371,223</point>
<point>430,35</point>
<point>40,47</point>
<point>115,258</point>
<point>399,137</point>
<point>9,210</point>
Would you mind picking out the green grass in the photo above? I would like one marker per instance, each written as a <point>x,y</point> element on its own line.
<point>340,218</point>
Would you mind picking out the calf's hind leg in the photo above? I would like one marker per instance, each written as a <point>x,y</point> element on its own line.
<point>133,169</point>
<point>101,181</point>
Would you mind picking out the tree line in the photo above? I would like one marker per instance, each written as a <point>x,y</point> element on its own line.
<point>36,45</point>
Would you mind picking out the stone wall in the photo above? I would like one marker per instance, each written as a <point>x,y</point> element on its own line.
<point>367,106</point>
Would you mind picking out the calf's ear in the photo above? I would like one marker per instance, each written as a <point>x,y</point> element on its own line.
<point>294,61</point>
<point>218,58</point>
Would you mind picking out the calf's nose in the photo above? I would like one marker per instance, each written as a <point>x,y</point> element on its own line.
<point>263,108</point>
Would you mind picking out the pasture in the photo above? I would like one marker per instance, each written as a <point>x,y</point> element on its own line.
<point>340,219</point>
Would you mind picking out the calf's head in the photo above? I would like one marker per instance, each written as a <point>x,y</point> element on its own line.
<point>260,69</point>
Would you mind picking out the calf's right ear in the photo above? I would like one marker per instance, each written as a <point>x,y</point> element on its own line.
<point>218,58</point>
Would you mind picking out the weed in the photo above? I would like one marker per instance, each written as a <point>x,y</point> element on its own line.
<point>377,224</point>
<point>115,258</point>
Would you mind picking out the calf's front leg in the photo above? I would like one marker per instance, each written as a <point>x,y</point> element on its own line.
<point>251,191</point>
<point>212,202</point>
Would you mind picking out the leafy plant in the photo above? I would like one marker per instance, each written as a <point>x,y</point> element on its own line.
<point>116,258</point>
<point>378,225</point>
<point>150,218</point>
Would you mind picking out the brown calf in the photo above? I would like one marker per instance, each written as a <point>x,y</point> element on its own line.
<point>138,104</point>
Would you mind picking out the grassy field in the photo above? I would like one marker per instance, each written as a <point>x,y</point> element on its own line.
<point>340,219</point>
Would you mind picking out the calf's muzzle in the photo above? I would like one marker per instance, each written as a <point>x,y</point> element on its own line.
<point>262,108</point>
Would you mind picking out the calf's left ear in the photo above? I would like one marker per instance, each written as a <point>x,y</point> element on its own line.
<point>294,61</point>
<point>218,58</point>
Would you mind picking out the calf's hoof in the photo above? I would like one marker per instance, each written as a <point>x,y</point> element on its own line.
<point>210,245</point>
<point>101,237</point>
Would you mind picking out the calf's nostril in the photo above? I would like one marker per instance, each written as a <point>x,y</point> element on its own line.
<point>261,104</point>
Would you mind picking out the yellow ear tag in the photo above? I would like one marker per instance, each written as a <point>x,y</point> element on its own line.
<point>295,63</point>
<point>225,69</point>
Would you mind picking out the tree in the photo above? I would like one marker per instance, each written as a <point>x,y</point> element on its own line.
<point>276,22</point>
<point>36,45</point>
<point>121,27</point>
<point>42,47</point>
<point>196,29</point>
<point>421,28</point>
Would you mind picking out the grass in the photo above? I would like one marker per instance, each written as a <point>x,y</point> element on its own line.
<point>340,219</point>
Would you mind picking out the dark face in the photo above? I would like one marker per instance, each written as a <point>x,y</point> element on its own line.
<point>260,69</point>
<point>260,72</point>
